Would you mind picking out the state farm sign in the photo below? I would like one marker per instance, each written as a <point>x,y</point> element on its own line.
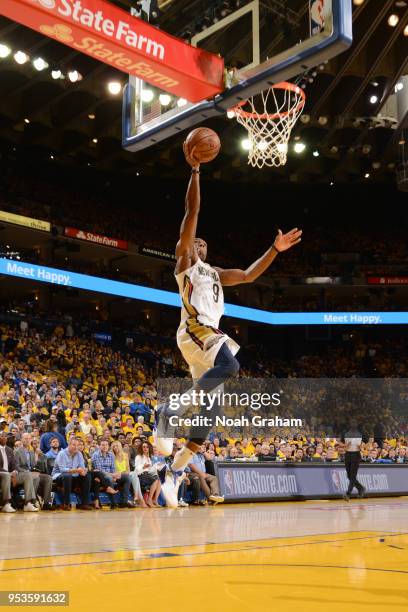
<point>96,20</point>
<point>71,232</point>
<point>128,43</point>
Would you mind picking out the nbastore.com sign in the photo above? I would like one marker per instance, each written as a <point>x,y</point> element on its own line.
<point>111,35</point>
<point>262,481</point>
<point>72,232</point>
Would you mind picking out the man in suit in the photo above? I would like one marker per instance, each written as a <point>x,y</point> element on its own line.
<point>27,463</point>
<point>9,476</point>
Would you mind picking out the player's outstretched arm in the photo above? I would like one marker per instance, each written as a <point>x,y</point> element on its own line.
<point>282,242</point>
<point>185,247</point>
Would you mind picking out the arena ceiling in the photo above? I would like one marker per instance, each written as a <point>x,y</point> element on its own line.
<point>80,123</point>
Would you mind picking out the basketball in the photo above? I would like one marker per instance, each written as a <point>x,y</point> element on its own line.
<point>206,142</point>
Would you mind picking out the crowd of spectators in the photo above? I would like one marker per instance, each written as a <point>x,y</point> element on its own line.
<point>109,213</point>
<point>77,416</point>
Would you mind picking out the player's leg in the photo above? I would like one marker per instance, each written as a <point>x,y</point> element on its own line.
<point>225,366</point>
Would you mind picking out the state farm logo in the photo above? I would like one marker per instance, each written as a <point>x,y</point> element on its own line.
<point>59,31</point>
<point>48,4</point>
<point>81,235</point>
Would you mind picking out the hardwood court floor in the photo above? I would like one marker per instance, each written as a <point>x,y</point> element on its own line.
<point>320,556</point>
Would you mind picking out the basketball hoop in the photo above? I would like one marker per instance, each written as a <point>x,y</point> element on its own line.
<point>269,132</point>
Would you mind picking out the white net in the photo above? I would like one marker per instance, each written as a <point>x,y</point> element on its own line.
<point>269,119</point>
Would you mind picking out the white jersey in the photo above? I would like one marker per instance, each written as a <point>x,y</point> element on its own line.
<point>201,294</point>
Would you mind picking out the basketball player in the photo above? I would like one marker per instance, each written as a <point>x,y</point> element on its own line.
<point>208,351</point>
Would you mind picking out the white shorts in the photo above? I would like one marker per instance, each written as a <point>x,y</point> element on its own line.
<point>199,344</point>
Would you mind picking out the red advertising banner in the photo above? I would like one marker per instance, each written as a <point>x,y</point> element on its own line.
<point>71,232</point>
<point>387,280</point>
<point>128,43</point>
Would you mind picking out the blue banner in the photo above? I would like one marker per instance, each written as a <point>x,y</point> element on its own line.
<point>264,481</point>
<point>65,278</point>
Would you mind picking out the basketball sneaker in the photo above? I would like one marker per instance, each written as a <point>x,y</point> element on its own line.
<point>216,499</point>
<point>29,507</point>
<point>163,444</point>
<point>170,487</point>
<point>8,508</point>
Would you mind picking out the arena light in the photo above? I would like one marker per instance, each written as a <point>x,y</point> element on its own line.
<point>316,154</point>
<point>74,76</point>
<point>406,30</point>
<point>367,175</point>
<point>91,116</point>
<point>246,144</point>
<point>323,120</point>
<point>373,99</point>
<point>4,51</point>
<point>299,147</point>
<point>164,99</point>
<point>230,114</point>
<point>114,87</point>
<point>399,86</point>
<point>40,64</point>
<point>282,147</point>
<point>358,2</point>
<point>20,57</point>
<point>262,145</point>
<point>95,140</point>
<point>147,95</point>
<point>27,121</point>
<point>181,102</point>
<point>56,74</point>
<point>393,20</point>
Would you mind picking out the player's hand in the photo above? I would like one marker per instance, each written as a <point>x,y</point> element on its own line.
<point>190,157</point>
<point>283,242</point>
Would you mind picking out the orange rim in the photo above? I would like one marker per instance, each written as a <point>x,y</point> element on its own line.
<point>238,110</point>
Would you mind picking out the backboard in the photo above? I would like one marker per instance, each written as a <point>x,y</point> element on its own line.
<point>262,41</point>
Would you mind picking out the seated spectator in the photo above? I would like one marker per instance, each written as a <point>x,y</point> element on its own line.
<point>51,432</point>
<point>10,477</point>
<point>232,454</point>
<point>208,482</point>
<point>402,455</point>
<point>103,462</point>
<point>85,423</point>
<point>257,451</point>
<point>27,462</point>
<point>54,448</point>
<point>331,455</point>
<point>223,442</point>
<point>298,456</point>
<point>122,466</point>
<point>264,452</point>
<point>222,455</point>
<point>70,471</point>
<point>147,472</point>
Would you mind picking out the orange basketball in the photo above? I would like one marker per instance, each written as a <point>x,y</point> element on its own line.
<point>206,142</point>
